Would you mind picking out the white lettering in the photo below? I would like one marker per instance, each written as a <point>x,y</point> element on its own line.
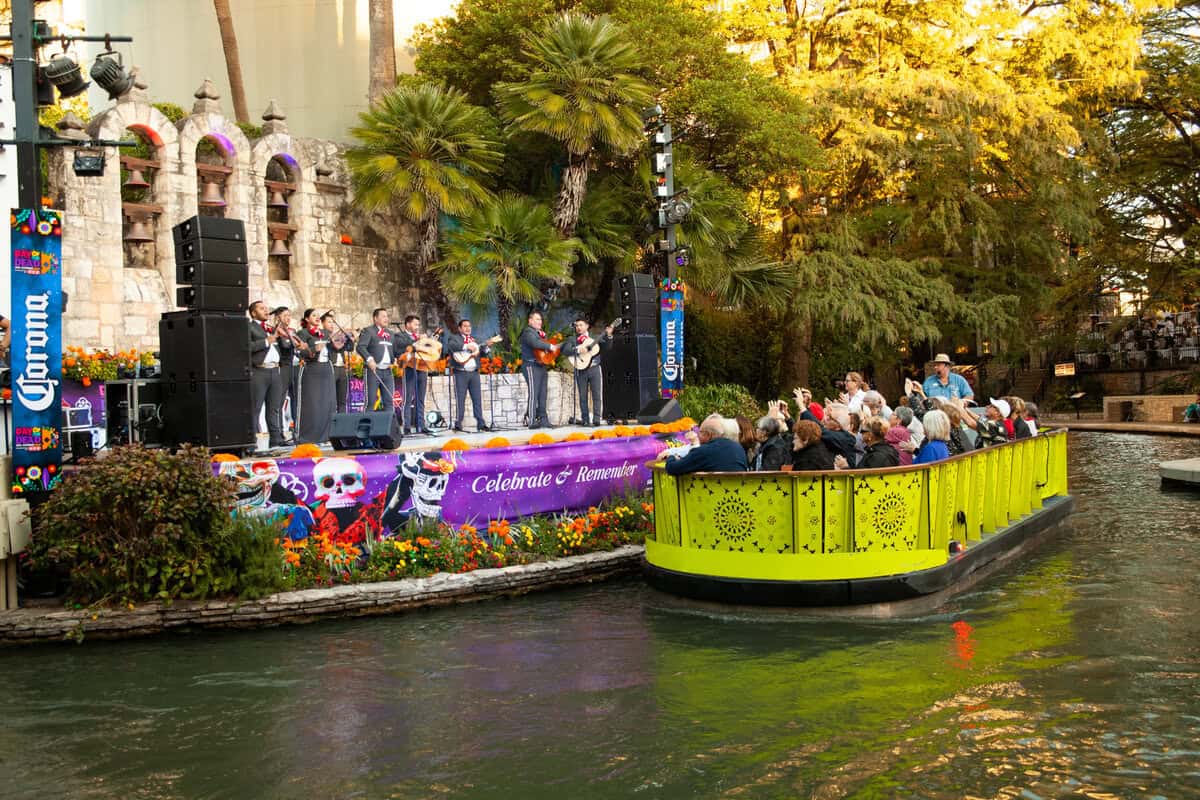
<point>35,388</point>
<point>671,366</point>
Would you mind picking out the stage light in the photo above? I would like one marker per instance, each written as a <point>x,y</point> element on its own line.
<point>63,72</point>
<point>89,163</point>
<point>435,420</point>
<point>676,209</point>
<point>110,74</point>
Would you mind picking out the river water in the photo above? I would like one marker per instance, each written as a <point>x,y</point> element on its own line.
<point>1076,671</point>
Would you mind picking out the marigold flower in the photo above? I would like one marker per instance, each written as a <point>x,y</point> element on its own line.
<point>306,451</point>
<point>540,438</point>
<point>498,441</point>
<point>455,444</point>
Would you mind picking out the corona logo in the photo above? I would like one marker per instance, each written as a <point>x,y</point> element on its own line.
<point>35,387</point>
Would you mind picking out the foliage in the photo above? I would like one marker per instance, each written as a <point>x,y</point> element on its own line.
<point>318,561</point>
<point>171,111</point>
<point>101,365</point>
<point>151,525</point>
<point>251,130</point>
<point>726,399</point>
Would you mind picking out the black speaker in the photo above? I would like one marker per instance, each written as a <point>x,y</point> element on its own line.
<point>368,430</point>
<point>209,228</point>
<point>213,298</point>
<point>81,445</point>
<point>626,393</point>
<point>227,250</point>
<point>634,354</point>
<point>646,326</point>
<point>637,294</point>
<point>638,310</point>
<point>204,347</point>
<point>663,409</point>
<point>638,279</point>
<point>212,273</point>
<point>211,413</point>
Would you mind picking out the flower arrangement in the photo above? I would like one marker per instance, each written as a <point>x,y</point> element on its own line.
<point>604,433</point>
<point>84,367</point>
<point>578,436</point>
<point>306,451</point>
<point>222,458</point>
<point>497,441</point>
<point>492,365</point>
<point>540,438</point>
<point>455,444</point>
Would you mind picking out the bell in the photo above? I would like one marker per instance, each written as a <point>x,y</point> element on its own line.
<point>277,200</point>
<point>279,248</point>
<point>136,180</point>
<point>139,230</point>
<point>211,196</point>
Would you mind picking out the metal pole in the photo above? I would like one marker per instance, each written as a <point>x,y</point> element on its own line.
<point>24,74</point>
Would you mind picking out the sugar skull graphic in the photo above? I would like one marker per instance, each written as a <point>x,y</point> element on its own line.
<point>340,484</point>
<point>417,489</point>
<point>259,494</point>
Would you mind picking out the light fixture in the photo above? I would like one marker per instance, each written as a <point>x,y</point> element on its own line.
<point>63,72</point>
<point>211,196</point>
<point>110,74</point>
<point>88,163</point>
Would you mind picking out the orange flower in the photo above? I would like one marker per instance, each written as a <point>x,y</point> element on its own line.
<point>70,362</point>
<point>221,458</point>
<point>603,433</point>
<point>455,444</point>
<point>87,381</point>
<point>659,427</point>
<point>576,437</point>
<point>423,542</point>
<point>623,430</point>
<point>641,430</point>
<point>541,438</point>
<point>306,451</point>
<point>688,423</point>
<point>498,441</point>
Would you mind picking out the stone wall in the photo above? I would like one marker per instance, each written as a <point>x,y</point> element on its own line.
<point>340,257</point>
<point>1147,408</point>
<point>505,400</point>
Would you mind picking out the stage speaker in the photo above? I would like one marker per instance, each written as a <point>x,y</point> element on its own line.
<point>213,298</point>
<point>215,414</point>
<point>203,249</point>
<point>368,430</point>
<point>637,294</point>
<point>81,445</point>
<point>662,409</point>
<point>209,228</point>
<point>212,273</point>
<point>204,347</point>
<point>637,355</point>
<point>638,310</point>
<point>625,393</point>
<point>646,326</point>
<point>638,279</point>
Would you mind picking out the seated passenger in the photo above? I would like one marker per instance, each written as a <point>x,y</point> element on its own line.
<point>808,451</point>
<point>877,453</point>
<point>714,454</point>
<point>745,435</point>
<point>962,438</point>
<point>774,449</point>
<point>989,427</point>
<point>1031,418</point>
<point>837,437</point>
<point>937,433</point>
<point>904,414</point>
<point>874,402</point>
<point>899,438</point>
<point>1019,430</point>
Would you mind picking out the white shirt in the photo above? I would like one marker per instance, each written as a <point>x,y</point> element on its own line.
<point>855,404</point>
<point>271,359</point>
<point>386,359</point>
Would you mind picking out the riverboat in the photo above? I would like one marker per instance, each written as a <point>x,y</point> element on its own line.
<point>855,538</point>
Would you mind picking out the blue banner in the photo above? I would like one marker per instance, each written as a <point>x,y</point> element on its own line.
<point>36,357</point>
<point>671,336</point>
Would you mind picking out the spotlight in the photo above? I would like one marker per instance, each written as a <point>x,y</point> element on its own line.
<point>110,74</point>
<point>676,210</point>
<point>63,72</point>
<point>89,163</point>
<point>682,257</point>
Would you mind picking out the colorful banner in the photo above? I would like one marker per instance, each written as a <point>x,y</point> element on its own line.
<point>376,494</point>
<point>671,337</point>
<point>36,357</point>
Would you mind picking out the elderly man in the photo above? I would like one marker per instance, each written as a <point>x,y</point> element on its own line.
<point>874,402</point>
<point>944,383</point>
<point>990,426</point>
<point>715,453</point>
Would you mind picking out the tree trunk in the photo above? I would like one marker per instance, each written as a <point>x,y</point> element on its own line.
<point>604,291</point>
<point>571,194</point>
<point>383,50</point>
<point>797,355</point>
<point>504,311</point>
<point>233,62</point>
<point>431,285</point>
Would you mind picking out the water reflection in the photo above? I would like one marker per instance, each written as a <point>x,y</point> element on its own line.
<point>1072,673</point>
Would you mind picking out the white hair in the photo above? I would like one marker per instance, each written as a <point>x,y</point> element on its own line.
<point>937,425</point>
<point>873,398</point>
<point>730,428</point>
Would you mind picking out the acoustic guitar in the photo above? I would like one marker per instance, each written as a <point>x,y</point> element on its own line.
<point>422,353</point>
<point>548,358</point>
<point>466,355</point>
<point>588,349</point>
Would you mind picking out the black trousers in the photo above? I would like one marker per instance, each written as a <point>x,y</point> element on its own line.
<point>590,380</point>
<point>416,382</point>
<point>289,375</point>
<point>341,387</point>
<point>467,382</point>
<point>380,378</point>
<point>536,382</point>
<point>265,386</point>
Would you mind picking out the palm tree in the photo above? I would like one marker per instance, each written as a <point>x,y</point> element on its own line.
<point>382,66</point>
<point>502,253</point>
<point>583,92</point>
<point>233,61</point>
<point>425,151</point>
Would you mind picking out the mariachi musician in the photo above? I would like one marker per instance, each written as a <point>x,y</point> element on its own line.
<point>416,373</point>
<point>533,341</point>
<point>464,353</point>
<point>264,380</point>
<point>377,349</point>
<point>317,403</point>
<point>341,347</point>
<point>289,361</point>
<point>588,378</point>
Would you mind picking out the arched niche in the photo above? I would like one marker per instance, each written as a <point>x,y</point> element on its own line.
<point>216,163</point>
<point>281,178</point>
<point>143,183</point>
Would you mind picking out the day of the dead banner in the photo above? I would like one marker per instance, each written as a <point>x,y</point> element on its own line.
<point>36,357</point>
<point>353,497</point>
<point>671,336</point>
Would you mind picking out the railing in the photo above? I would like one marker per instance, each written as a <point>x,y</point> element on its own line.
<point>851,523</point>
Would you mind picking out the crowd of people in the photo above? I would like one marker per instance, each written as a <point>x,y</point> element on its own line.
<point>1164,341</point>
<point>932,421</point>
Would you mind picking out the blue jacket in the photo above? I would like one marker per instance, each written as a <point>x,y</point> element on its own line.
<point>718,455</point>
<point>932,450</point>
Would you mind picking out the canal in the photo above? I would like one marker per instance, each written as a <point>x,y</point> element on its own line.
<point>1076,671</point>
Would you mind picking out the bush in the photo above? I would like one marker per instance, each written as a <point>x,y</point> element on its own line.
<point>151,525</point>
<point>726,399</point>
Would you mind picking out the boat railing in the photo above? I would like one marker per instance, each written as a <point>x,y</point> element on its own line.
<point>846,523</point>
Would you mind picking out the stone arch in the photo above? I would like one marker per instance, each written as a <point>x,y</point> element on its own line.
<point>236,148</point>
<point>281,147</point>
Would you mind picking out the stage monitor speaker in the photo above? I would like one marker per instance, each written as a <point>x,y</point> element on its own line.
<point>215,414</point>
<point>367,430</point>
<point>213,298</point>
<point>195,346</point>
<point>639,279</point>
<point>638,310</point>
<point>637,294</point>
<point>226,250</point>
<point>209,228</point>
<point>634,354</point>
<point>626,393</point>
<point>646,326</point>
<point>662,409</point>
<point>212,273</point>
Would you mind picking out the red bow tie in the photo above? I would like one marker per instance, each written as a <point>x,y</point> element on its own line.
<point>315,332</point>
<point>579,339</point>
<point>542,334</point>
<point>265,327</point>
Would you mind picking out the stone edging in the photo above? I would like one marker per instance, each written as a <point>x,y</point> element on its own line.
<point>36,625</point>
<point>1148,428</point>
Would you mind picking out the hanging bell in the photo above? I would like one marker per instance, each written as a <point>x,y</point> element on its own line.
<point>279,248</point>
<point>139,230</point>
<point>278,200</point>
<point>136,180</point>
<point>211,196</point>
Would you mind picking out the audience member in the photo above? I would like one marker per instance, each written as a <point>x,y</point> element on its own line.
<point>774,450</point>
<point>715,453</point>
<point>878,452</point>
<point>937,433</point>
<point>745,435</point>
<point>962,438</point>
<point>808,450</point>
<point>989,427</point>
<point>853,395</point>
<point>837,436</point>
<point>1031,418</point>
<point>944,382</point>
<point>899,437</point>
<point>878,407</point>
<point>1017,416</point>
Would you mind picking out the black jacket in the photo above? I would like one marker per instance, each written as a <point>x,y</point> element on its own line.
<point>530,341</point>
<point>814,457</point>
<point>774,453</point>
<point>878,456</point>
<point>372,344</point>
<point>959,443</point>
<point>312,355</point>
<point>344,351</point>
<point>571,346</point>
<point>840,443</point>
<point>716,455</point>
<point>455,344</point>
<point>258,343</point>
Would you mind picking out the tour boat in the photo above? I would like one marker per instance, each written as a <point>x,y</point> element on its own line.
<point>854,538</point>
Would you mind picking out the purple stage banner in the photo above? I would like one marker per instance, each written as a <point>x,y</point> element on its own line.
<point>374,495</point>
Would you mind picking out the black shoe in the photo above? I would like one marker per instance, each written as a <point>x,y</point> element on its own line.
<point>483,428</point>
<point>408,432</point>
<point>457,428</point>
<point>425,432</point>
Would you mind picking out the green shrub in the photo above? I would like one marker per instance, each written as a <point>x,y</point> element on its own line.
<point>151,525</point>
<point>726,399</point>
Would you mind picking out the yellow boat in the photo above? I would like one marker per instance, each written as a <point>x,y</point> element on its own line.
<point>854,537</point>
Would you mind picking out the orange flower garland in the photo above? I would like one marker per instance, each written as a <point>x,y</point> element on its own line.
<point>498,441</point>
<point>576,437</point>
<point>603,433</point>
<point>455,444</point>
<point>224,458</point>
<point>306,451</point>
<point>541,438</point>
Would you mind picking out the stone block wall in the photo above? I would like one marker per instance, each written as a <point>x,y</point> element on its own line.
<point>1148,408</point>
<point>505,400</point>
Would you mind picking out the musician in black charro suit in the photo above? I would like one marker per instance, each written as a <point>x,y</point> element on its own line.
<point>464,353</point>
<point>265,386</point>
<point>533,339</point>
<point>589,378</point>
<point>317,404</point>
<point>416,381</point>
<point>377,348</point>
<point>341,347</point>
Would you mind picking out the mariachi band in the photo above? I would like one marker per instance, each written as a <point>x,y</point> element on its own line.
<point>308,368</point>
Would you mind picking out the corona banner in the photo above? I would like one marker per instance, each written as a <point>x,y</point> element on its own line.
<point>36,357</point>
<point>671,339</point>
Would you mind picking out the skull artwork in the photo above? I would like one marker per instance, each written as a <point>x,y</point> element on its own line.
<point>339,481</point>
<point>429,478</point>
<point>253,480</point>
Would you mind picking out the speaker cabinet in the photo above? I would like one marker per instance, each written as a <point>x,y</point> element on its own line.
<point>209,228</point>
<point>369,430</point>
<point>635,279</point>
<point>226,250</point>
<point>204,347</point>
<point>637,294</point>
<point>638,310</point>
<point>662,409</point>
<point>213,298</point>
<point>626,393</point>
<point>215,414</point>
<point>645,326</point>
<point>212,273</point>
<point>637,355</point>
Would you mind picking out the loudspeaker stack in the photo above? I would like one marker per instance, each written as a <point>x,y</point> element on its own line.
<point>205,350</point>
<point>631,368</point>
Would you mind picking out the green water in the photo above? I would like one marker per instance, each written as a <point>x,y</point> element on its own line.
<point>1075,672</point>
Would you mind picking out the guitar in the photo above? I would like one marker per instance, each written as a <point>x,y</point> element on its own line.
<point>548,358</point>
<point>465,356</point>
<point>423,352</point>
<point>589,349</point>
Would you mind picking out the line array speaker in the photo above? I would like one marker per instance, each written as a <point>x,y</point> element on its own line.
<point>204,347</point>
<point>212,273</point>
<point>213,298</point>
<point>636,279</point>
<point>209,228</point>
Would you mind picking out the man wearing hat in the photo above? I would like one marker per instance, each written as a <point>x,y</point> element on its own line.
<point>947,384</point>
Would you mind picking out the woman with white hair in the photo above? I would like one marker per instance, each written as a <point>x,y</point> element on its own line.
<point>937,433</point>
<point>774,446</point>
<point>873,401</point>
